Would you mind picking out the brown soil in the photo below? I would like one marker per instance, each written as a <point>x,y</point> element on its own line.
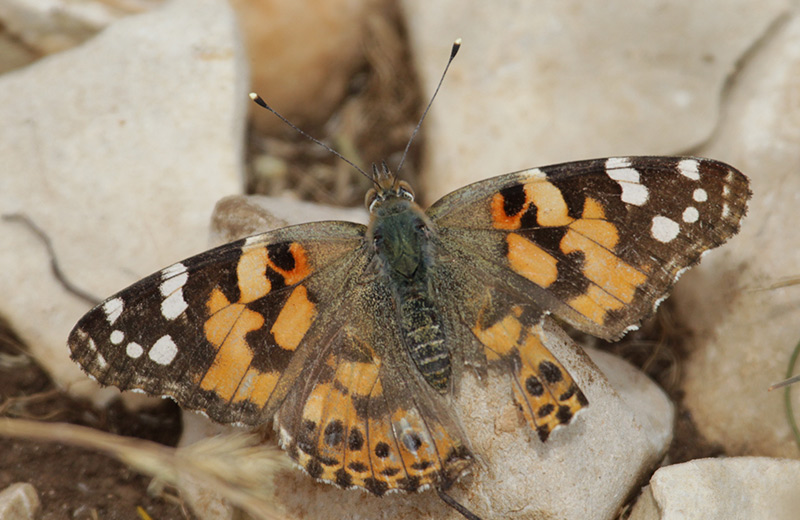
<point>71,482</point>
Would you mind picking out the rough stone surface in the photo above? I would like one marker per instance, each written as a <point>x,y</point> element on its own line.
<point>55,25</point>
<point>19,502</point>
<point>302,53</point>
<point>239,216</point>
<point>118,149</point>
<point>744,331</point>
<point>543,82</point>
<point>722,489</point>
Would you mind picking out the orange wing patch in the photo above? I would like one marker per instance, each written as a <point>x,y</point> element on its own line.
<point>294,319</point>
<point>232,376</point>
<point>614,281</point>
<point>531,261</point>
<point>226,330</point>
<point>251,275</point>
<point>543,389</point>
<point>500,339</point>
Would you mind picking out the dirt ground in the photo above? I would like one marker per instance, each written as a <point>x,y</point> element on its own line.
<point>71,482</point>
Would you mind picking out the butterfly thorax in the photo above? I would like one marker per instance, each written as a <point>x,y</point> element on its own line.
<point>400,234</point>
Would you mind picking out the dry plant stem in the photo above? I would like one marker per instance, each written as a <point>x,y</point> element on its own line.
<point>787,396</point>
<point>232,466</point>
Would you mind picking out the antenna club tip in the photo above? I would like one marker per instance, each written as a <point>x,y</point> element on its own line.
<point>456,47</point>
<point>257,99</point>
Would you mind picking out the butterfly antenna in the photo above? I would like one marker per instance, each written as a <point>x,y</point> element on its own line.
<point>787,382</point>
<point>260,102</point>
<point>453,52</point>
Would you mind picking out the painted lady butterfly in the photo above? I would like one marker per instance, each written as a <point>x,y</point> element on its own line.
<point>352,338</point>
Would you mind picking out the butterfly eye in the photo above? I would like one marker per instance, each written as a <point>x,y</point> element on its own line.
<point>405,191</point>
<point>370,199</point>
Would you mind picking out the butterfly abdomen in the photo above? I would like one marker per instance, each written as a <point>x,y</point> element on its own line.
<point>425,338</point>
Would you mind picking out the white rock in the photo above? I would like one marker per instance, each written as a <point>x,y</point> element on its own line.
<point>745,488</point>
<point>543,82</point>
<point>55,25</point>
<point>19,502</point>
<point>240,216</point>
<point>744,335</point>
<point>118,150</point>
<point>303,53</point>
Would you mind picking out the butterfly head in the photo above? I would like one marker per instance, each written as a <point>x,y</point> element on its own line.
<point>389,195</point>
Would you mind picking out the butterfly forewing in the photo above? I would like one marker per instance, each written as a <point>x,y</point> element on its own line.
<point>220,330</point>
<point>598,243</point>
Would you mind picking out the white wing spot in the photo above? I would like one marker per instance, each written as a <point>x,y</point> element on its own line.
<point>689,168</point>
<point>134,350</point>
<point>174,269</point>
<point>286,438</point>
<point>173,306</point>
<point>628,179</point>
<point>117,336</point>
<point>664,229</point>
<point>101,361</point>
<point>623,174</point>
<point>175,277</point>
<point>536,173</point>
<point>635,194</point>
<point>175,283</point>
<point>617,162</point>
<point>690,215</point>
<point>164,350</point>
<point>700,195</point>
<point>726,210</point>
<point>113,309</point>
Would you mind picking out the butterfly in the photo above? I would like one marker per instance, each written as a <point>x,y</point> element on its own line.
<point>352,339</point>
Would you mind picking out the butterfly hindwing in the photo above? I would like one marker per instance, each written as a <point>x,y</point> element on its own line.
<point>505,331</point>
<point>602,241</point>
<point>221,332</point>
<point>362,417</point>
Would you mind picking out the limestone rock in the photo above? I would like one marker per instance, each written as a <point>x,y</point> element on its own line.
<point>118,149</point>
<point>722,489</point>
